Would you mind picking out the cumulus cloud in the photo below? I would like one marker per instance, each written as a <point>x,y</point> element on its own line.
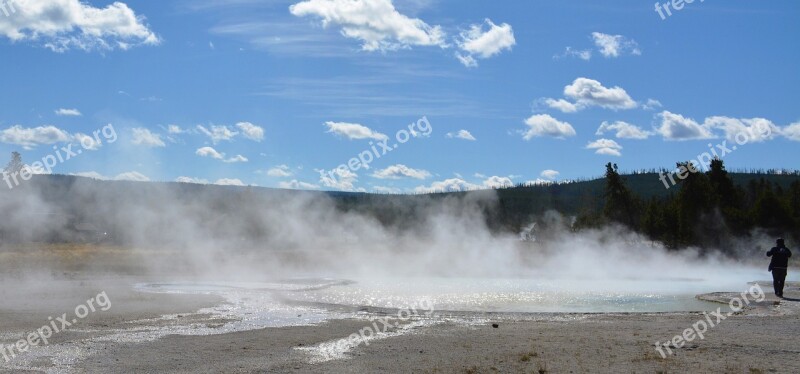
<point>251,131</point>
<point>545,125</point>
<point>606,147</point>
<point>401,171</point>
<point>651,104</point>
<point>353,131</point>
<point>280,171</point>
<point>497,182</point>
<point>447,185</point>
<point>585,93</point>
<point>376,23</point>
<point>61,25</point>
<point>294,184</point>
<point>30,137</point>
<point>86,141</point>
<point>677,127</point>
<point>68,112</point>
<point>549,174</point>
<point>615,45</point>
<point>211,152</point>
<point>340,178</point>
<point>792,132</point>
<point>217,133</point>
<point>756,130</point>
<point>229,182</point>
<point>175,129</point>
<point>461,134</point>
<point>623,130</point>
<point>143,136</point>
<point>484,41</point>
<point>458,184</point>
<point>193,180</point>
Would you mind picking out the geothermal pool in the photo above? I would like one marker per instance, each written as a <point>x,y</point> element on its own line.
<point>320,297</point>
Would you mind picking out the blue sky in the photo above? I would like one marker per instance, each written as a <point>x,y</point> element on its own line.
<point>280,93</point>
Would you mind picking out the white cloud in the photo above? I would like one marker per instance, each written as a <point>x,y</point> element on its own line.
<point>61,25</point>
<point>756,130</point>
<point>538,182</point>
<point>251,131</point>
<point>376,23</point>
<point>651,104</point>
<point>623,130</point>
<point>209,152</point>
<point>175,129</point>
<point>401,171</point>
<point>229,182</point>
<point>353,131</point>
<point>183,179</point>
<point>132,176</point>
<point>458,184</point>
<point>447,185</point>
<point>280,171</point>
<point>234,159</point>
<point>497,182</point>
<point>341,179</point>
<point>677,127</point>
<point>605,147</point>
<point>583,54</point>
<point>68,112</point>
<point>86,141</point>
<point>545,125</point>
<point>217,133</point>
<point>615,45</point>
<point>294,184</point>
<point>585,93</point>
<point>461,134</point>
<point>143,136</point>
<point>29,138</point>
<point>549,174</point>
<point>467,60</point>
<point>563,105</point>
<point>476,42</point>
<point>792,132</point>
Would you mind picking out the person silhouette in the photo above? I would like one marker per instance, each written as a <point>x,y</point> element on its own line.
<point>778,265</point>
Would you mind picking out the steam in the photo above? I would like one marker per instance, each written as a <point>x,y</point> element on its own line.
<point>226,233</point>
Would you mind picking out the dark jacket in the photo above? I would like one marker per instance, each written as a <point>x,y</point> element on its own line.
<point>780,257</point>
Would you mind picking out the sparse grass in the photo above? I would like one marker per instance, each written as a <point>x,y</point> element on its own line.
<point>525,357</point>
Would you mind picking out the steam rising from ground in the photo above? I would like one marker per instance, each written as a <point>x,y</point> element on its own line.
<point>226,233</point>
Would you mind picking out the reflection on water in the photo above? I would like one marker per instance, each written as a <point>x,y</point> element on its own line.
<point>470,294</point>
